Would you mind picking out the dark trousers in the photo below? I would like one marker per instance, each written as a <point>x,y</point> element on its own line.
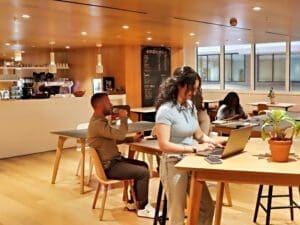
<point>123,168</point>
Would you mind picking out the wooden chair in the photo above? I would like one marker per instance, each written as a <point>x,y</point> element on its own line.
<point>260,109</point>
<point>105,182</point>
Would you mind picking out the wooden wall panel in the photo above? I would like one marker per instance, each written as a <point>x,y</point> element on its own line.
<point>176,58</point>
<point>121,62</point>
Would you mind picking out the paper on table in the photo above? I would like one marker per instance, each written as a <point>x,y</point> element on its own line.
<point>219,121</point>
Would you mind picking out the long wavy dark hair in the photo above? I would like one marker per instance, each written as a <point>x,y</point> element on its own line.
<point>168,90</point>
<point>232,100</point>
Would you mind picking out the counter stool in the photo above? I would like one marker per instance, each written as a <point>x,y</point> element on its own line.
<point>163,218</point>
<point>270,195</point>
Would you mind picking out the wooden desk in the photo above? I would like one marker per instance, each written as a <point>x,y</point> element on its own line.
<point>81,136</point>
<point>286,106</point>
<point>255,121</point>
<point>145,146</point>
<point>227,127</point>
<point>143,110</point>
<point>250,167</point>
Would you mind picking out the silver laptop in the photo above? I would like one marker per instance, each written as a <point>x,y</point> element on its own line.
<point>236,143</point>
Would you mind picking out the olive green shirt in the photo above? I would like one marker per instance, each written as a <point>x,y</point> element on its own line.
<point>104,138</point>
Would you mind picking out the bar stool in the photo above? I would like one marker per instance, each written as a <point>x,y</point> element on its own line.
<point>163,218</point>
<point>270,195</point>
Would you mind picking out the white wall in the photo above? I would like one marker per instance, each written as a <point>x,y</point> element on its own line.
<point>26,124</point>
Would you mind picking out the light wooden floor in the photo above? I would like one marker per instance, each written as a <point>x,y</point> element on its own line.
<point>28,198</point>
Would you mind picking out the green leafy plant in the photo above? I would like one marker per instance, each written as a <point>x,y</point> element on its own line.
<point>274,129</point>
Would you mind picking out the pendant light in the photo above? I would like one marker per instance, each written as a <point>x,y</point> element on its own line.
<point>99,66</point>
<point>52,65</point>
<point>18,55</point>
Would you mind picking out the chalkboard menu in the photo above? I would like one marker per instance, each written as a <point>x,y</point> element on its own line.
<point>156,67</point>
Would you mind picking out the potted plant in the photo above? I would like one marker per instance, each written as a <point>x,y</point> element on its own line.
<point>271,95</point>
<point>275,127</point>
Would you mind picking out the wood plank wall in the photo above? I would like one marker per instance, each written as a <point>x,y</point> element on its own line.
<point>121,62</point>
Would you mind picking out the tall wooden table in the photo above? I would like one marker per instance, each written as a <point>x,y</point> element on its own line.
<point>248,167</point>
<point>80,136</point>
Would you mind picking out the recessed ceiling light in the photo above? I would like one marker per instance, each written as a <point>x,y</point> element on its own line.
<point>256,8</point>
<point>197,42</point>
<point>7,44</point>
<point>239,39</point>
<point>192,34</point>
<point>25,16</point>
<point>67,47</point>
<point>125,27</point>
<point>33,46</point>
<point>99,45</point>
<point>149,38</point>
<point>148,32</point>
<point>83,33</point>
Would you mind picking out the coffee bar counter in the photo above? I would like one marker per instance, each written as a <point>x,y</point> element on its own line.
<point>26,124</point>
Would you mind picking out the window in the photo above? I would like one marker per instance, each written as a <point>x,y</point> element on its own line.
<point>208,66</point>
<point>295,66</point>
<point>237,66</point>
<point>270,66</point>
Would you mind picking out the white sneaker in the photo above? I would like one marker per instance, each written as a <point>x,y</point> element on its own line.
<point>148,212</point>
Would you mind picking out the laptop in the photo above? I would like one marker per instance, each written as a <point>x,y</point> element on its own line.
<point>236,143</point>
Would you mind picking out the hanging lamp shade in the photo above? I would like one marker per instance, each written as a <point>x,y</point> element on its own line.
<point>52,65</point>
<point>99,66</point>
<point>18,55</point>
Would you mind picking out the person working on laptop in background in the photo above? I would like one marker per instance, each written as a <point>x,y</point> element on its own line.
<point>103,138</point>
<point>230,108</point>
<point>176,125</point>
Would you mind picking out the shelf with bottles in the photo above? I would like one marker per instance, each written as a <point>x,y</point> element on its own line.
<point>9,78</point>
<point>59,66</point>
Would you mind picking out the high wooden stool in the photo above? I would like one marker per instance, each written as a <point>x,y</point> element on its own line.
<point>163,218</point>
<point>270,195</point>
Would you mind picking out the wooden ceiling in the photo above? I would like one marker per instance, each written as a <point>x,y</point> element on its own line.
<point>168,22</point>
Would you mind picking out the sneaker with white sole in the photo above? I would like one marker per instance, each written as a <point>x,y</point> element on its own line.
<point>148,212</point>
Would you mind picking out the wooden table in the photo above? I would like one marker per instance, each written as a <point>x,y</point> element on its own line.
<point>228,126</point>
<point>143,110</point>
<point>145,146</point>
<point>251,167</point>
<point>254,121</point>
<point>81,136</point>
<point>286,106</point>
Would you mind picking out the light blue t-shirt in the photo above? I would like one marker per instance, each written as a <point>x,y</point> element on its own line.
<point>182,120</point>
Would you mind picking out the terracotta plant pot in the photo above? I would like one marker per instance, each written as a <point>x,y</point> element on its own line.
<point>280,150</point>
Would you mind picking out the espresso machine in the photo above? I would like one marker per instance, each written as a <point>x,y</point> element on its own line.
<point>27,87</point>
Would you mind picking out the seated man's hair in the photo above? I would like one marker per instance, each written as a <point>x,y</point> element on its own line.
<point>97,97</point>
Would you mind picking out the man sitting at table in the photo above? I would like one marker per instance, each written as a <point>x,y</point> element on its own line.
<point>104,138</point>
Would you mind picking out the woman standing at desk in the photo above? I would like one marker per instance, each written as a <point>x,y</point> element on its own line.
<point>176,125</point>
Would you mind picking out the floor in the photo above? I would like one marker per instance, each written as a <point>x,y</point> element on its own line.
<point>27,197</point>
